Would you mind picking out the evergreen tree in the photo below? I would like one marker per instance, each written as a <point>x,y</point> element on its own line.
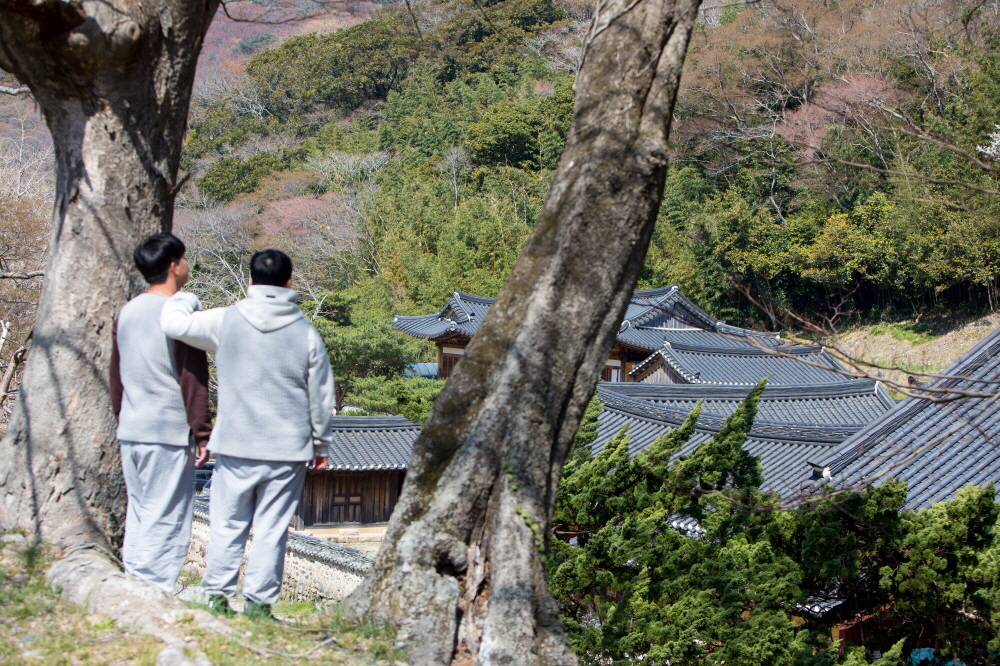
<point>661,558</point>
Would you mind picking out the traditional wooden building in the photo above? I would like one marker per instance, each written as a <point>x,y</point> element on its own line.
<point>943,438</point>
<point>677,363</point>
<point>795,425</point>
<point>368,461</point>
<point>659,325</point>
<point>853,403</point>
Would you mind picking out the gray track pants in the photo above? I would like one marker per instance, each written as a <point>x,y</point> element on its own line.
<point>159,481</point>
<point>248,493</point>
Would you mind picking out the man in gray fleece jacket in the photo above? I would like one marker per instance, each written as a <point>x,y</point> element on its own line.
<point>275,399</point>
<point>159,389</point>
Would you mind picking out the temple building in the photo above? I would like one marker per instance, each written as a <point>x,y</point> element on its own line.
<point>664,338</point>
<point>942,438</point>
<point>795,425</point>
<point>815,420</point>
<point>361,483</point>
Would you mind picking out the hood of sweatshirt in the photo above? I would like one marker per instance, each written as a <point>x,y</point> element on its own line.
<point>269,308</point>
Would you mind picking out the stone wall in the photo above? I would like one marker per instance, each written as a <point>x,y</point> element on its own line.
<point>315,569</point>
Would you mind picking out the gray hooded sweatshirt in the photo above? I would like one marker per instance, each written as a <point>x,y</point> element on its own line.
<point>276,390</point>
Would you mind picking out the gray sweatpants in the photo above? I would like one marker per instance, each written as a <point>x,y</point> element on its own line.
<point>248,493</point>
<point>159,481</point>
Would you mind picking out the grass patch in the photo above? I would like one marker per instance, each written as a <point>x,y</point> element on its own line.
<point>38,628</point>
<point>313,635</point>
<point>913,332</point>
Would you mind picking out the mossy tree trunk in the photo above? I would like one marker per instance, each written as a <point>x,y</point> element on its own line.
<point>113,79</point>
<point>460,574</point>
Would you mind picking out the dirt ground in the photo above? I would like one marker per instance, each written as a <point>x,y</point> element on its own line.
<point>323,532</point>
<point>369,547</point>
<point>913,348</point>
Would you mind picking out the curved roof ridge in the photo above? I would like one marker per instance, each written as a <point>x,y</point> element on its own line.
<point>797,350</point>
<point>412,317</point>
<point>708,422</point>
<point>372,423</point>
<point>771,391</point>
<point>657,291</point>
<point>455,303</point>
<point>745,332</point>
<point>676,364</point>
<point>484,300</point>
<point>665,303</point>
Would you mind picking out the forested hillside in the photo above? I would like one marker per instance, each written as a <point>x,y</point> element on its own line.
<point>829,158</point>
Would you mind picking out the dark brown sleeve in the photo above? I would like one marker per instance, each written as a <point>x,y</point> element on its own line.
<point>115,383</point>
<point>192,373</point>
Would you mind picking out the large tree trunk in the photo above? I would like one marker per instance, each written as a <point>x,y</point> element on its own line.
<point>460,574</point>
<point>113,79</point>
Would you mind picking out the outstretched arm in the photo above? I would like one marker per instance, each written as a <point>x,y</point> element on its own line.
<point>182,320</point>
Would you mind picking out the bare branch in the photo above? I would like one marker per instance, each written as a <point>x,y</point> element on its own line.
<point>904,174</point>
<point>20,90</point>
<point>21,276</point>
<point>322,6</point>
<point>8,376</point>
<point>413,16</point>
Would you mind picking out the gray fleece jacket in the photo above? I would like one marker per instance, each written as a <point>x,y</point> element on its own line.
<point>276,390</point>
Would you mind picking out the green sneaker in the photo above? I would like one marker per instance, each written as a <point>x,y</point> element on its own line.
<point>219,605</point>
<point>258,611</point>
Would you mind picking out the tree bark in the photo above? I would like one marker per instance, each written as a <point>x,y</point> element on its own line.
<point>460,574</point>
<point>113,80</point>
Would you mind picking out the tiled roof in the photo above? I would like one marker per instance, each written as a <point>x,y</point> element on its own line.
<point>461,316</point>
<point>666,307</point>
<point>653,316</point>
<point>937,447</point>
<point>371,442</point>
<point>651,339</point>
<point>747,366</point>
<point>860,401</point>
<point>783,448</point>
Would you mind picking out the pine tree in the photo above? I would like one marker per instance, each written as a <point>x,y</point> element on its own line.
<point>658,558</point>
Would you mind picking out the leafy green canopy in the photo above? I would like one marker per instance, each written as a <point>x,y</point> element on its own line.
<point>412,397</point>
<point>355,327</point>
<point>474,119</point>
<point>638,583</point>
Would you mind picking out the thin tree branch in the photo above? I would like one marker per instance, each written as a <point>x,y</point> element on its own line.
<point>8,376</point>
<point>21,276</point>
<point>903,174</point>
<point>20,90</point>
<point>413,16</point>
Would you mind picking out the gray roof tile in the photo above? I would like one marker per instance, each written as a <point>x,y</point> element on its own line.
<point>653,316</point>
<point>860,401</point>
<point>747,366</point>
<point>371,442</point>
<point>783,448</point>
<point>938,447</point>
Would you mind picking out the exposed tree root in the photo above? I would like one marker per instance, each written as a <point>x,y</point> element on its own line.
<point>88,578</point>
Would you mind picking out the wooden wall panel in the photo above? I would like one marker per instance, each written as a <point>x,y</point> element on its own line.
<point>332,498</point>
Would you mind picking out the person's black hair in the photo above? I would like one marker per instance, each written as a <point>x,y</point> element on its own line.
<point>271,267</point>
<point>153,256</point>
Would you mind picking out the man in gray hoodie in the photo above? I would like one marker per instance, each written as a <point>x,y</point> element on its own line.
<point>275,399</point>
